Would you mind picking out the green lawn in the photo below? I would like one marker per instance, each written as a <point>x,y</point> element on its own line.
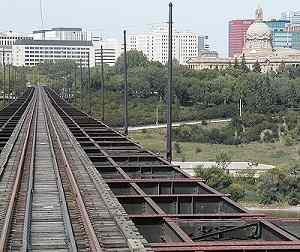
<point>266,153</point>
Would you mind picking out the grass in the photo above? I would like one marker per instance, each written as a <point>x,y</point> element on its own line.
<point>267,153</point>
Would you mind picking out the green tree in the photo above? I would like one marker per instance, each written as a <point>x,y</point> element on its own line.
<point>244,67</point>
<point>272,186</point>
<point>135,58</point>
<point>223,160</point>
<point>236,63</point>
<point>256,67</point>
<point>214,177</point>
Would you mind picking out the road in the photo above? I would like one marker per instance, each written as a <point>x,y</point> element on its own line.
<point>176,124</point>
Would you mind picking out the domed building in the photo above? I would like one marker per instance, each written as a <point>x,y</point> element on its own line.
<point>258,48</point>
<point>259,35</point>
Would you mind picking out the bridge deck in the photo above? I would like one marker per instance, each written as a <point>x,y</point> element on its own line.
<point>71,183</point>
<point>172,210</point>
<point>51,197</point>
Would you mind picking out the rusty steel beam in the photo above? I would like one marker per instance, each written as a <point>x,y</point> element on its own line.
<point>94,243</point>
<point>9,212</point>
<point>161,204</point>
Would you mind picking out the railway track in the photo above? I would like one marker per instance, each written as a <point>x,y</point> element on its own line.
<point>71,183</point>
<point>172,210</point>
<point>50,199</point>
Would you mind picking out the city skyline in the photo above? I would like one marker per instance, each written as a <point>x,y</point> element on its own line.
<point>117,15</point>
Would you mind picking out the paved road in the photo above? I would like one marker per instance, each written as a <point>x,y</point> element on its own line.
<point>234,167</point>
<point>176,124</point>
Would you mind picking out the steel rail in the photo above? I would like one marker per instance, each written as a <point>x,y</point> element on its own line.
<point>17,111</point>
<point>67,221</point>
<point>2,168</point>
<point>9,213</point>
<point>188,176</point>
<point>26,245</point>
<point>158,209</point>
<point>114,213</point>
<point>94,243</point>
<point>10,104</point>
<point>283,234</point>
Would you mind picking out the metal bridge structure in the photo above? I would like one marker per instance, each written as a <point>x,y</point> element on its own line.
<point>69,182</point>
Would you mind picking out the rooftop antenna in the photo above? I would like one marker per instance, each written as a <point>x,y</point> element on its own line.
<point>42,14</point>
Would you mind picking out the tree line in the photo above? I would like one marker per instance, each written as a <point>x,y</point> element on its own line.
<point>198,95</point>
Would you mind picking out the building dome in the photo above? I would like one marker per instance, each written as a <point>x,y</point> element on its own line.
<point>259,31</point>
<point>259,35</point>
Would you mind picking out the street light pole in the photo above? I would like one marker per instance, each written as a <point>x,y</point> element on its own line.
<point>75,84</point>
<point>102,85</point>
<point>125,88</point>
<point>81,86</point>
<point>14,83</point>
<point>89,85</point>
<point>9,81</point>
<point>4,77</point>
<point>170,84</point>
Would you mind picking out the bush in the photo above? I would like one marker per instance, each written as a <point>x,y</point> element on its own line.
<point>273,186</point>
<point>198,150</point>
<point>177,148</point>
<point>223,160</point>
<point>236,191</point>
<point>199,134</point>
<point>294,198</point>
<point>214,177</point>
<point>287,140</point>
<point>204,123</point>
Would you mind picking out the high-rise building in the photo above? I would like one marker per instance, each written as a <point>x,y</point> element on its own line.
<point>7,39</point>
<point>236,37</point>
<point>280,36</point>
<point>154,44</point>
<point>111,49</point>
<point>203,42</point>
<point>292,16</point>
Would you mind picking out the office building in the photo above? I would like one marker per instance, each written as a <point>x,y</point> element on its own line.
<point>292,16</point>
<point>203,43</point>
<point>236,36</point>
<point>7,39</point>
<point>112,49</point>
<point>154,44</point>
<point>33,52</point>
<point>281,37</point>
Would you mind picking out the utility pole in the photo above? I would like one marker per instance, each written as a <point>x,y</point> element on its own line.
<point>170,84</point>
<point>126,87</point>
<point>38,70</point>
<point>156,115</point>
<point>81,86</point>
<point>102,85</point>
<point>75,83</point>
<point>4,77</point>
<point>89,85</point>
<point>241,107</point>
<point>9,82</point>
<point>14,83</point>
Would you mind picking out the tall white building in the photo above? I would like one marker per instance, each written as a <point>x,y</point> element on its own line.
<point>112,49</point>
<point>33,52</point>
<point>154,44</point>
<point>7,39</point>
<point>292,16</point>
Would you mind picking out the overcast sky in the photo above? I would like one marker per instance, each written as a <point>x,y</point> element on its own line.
<point>111,16</point>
